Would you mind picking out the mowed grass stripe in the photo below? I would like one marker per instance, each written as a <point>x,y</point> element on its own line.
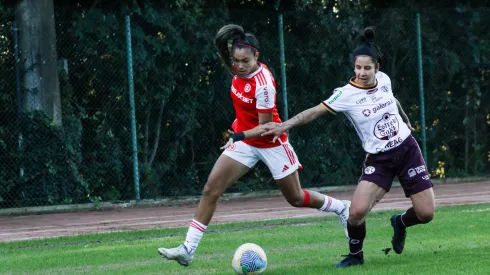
<point>455,242</point>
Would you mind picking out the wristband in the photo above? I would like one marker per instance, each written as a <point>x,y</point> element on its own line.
<point>237,136</point>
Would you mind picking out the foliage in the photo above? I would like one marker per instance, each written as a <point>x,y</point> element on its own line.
<point>182,99</point>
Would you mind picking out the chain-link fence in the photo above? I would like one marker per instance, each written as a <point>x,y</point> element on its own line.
<point>9,122</point>
<point>183,108</point>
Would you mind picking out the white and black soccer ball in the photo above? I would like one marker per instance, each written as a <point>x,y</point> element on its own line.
<point>249,258</point>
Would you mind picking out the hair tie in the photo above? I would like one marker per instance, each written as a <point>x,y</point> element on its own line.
<point>246,45</point>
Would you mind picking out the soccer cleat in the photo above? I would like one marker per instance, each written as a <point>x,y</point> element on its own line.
<point>350,260</point>
<point>400,233</point>
<point>344,216</point>
<point>179,254</point>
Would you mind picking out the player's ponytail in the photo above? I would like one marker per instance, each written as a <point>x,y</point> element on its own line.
<point>238,38</point>
<point>226,33</point>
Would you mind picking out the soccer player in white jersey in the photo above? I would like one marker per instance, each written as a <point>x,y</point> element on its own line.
<point>253,93</point>
<point>385,131</point>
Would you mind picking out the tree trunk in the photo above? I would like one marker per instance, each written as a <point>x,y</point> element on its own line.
<point>38,57</point>
<point>157,134</point>
<point>147,136</point>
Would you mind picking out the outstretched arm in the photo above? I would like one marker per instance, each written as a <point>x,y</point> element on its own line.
<point>305,117</point>
<point>302,118</point>
<point>404,115</point>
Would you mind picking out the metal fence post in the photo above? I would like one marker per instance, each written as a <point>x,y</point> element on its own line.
<point>283,68</point>
<point>132,112</point>
<point>421,87</point>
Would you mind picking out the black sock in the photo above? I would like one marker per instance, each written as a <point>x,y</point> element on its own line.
<point>356,238</point>
<point>408,219</point>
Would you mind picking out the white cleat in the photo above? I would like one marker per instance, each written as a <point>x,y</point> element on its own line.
<point>179,254</point>
<point>344,216</point>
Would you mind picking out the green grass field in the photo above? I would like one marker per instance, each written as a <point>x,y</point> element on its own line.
<point>456,242</point>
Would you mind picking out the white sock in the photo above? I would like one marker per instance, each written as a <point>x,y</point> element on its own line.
<point>332,205</point>
<point>194,235</point>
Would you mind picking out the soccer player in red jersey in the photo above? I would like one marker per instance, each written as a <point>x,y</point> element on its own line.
<point>253,92</point>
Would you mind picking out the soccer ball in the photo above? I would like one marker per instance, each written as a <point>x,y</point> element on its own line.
<point>249,258</point>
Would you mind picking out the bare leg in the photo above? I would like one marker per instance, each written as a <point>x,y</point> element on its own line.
<point>366,196</point>
<point>291,189</point>
<point>424,205</point>
<point>421,212</point>
<point>298,197</point>
<point>225,172</point>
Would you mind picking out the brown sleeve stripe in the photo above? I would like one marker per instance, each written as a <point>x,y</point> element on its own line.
<point>329,108</point>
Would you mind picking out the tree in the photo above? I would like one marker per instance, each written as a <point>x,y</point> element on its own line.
<point>38,57</point>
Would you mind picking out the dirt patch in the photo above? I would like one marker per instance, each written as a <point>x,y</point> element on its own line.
<point>252,209</point>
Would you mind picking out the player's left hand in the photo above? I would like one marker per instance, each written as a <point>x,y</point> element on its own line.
<point>410,126</point>
<point>228,144</point>
<point>230,141</point>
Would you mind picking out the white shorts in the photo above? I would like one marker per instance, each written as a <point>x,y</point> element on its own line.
<point>281,160</point>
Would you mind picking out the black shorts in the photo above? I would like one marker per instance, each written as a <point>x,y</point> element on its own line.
<point>405,162</point>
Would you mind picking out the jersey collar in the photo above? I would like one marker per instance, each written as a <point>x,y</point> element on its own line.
<point>255,73</point>
<point>353,83</point>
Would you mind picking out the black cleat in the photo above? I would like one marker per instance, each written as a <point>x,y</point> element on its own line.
<point>400,233</point>
<point>350,260</point>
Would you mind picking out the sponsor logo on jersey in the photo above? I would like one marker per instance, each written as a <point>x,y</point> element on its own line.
<point>335,98</point>
<point>362,100</point>
<point>266,95</point>
<point>383,105</point>
<point>387,127</point>
<point>248,87</point>
<point>372,91</point>
<point>385,88</point>
<point>375,98</point>
<point>240,96</point>
<point>394,143</point>
<point>366,112</point>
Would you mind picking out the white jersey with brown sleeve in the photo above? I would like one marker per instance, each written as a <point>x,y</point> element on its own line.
<point>373,113</point>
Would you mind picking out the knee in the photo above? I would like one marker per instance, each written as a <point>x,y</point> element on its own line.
<point>425,216</point>
<point>356,215</point>
<point>209,191</point>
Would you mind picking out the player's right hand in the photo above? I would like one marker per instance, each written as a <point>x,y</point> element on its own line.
<point>274,129</point>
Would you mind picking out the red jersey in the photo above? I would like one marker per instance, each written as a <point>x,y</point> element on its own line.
<point>256,93</point>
